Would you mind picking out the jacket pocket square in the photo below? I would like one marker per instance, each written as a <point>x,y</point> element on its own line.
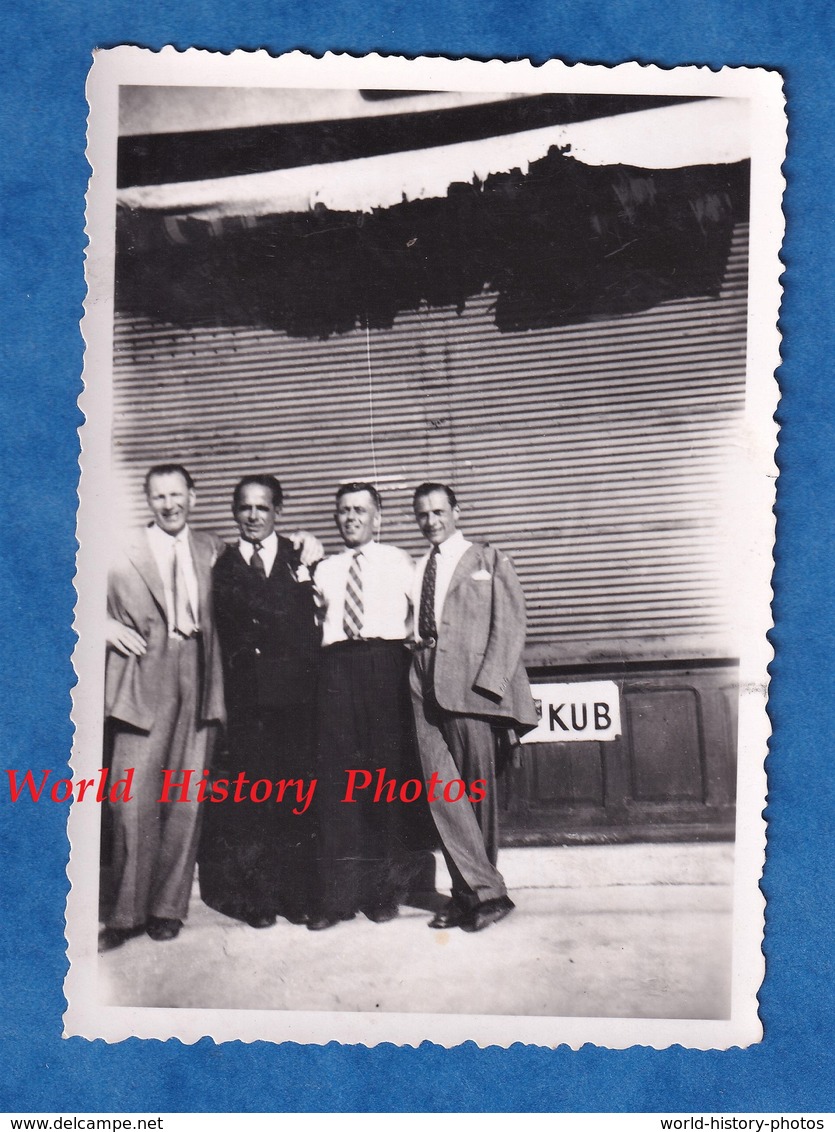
<point>482,576</point>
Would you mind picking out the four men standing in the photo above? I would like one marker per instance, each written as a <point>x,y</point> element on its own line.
<point>463,613</point>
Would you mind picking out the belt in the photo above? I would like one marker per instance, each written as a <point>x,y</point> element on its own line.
<point>427,643</point>
<point>367,642</point>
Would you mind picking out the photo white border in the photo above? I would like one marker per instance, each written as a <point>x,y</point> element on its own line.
<point>126,65</point>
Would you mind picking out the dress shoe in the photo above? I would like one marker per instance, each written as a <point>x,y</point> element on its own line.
<point>487,913</point>
<point>111,938</point>
<point>161,930</point>
<point>449,916</point>
<point>382,915</point>
<point>256,918</point>
<point>323,922</point>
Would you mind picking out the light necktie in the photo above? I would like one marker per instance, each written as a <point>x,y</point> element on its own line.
<point>256,562</point>
<point>426,617</point>
<point>184,619</point>
<point>353,615</point>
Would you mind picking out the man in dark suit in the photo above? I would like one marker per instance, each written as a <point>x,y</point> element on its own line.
<point>467,680</point>
<point>164,701</point>
<point>256,858</point>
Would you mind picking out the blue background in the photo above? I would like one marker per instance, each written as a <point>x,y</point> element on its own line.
<point>46,54</point>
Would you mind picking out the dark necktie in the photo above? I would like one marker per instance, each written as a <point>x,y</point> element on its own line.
<point>352,617</point>
<point>426,617</point>
<point>256,562</point>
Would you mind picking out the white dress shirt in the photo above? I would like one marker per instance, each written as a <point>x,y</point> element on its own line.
<point>164,547</point>
<point>387,575</point>
<point>450,553</point>
<point>267,553</point>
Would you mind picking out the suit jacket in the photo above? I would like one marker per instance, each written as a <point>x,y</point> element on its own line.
<point>269,637</point>
<point>136,597</point>
<point>478,661</point>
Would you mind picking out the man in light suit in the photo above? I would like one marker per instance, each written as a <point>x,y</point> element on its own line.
<point>164,701</point>
<point>467,680</point>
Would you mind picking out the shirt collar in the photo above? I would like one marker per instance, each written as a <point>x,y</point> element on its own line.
<point>269,544</point>
<point>368,549</point>
<point>451,544</point>
<point>163,538</point>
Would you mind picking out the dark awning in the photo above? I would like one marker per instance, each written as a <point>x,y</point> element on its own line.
<point>563,243</point>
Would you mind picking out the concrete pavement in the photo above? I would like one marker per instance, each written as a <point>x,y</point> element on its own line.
<point>599,931</point>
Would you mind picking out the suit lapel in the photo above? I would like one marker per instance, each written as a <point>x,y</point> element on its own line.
<point>284,557</point>
<point>467,563</point>
<point>244,569</point>
<point>141,556</point>
<point>201,556</point>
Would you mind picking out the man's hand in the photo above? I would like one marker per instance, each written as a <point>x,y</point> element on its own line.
<point>124,639</point>
<point>312,550</point>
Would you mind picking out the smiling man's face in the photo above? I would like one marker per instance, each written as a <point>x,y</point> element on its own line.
<point>171,500</point>
<point>357,518</point>
<point>436,517</point>
<point>255,512</point>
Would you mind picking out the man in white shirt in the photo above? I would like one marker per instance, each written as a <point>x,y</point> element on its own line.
<point>467,680</point>
<point>364,717</point>
<point>163,702</point>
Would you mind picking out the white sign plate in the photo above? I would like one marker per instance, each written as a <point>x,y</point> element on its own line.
<point>576,713</point>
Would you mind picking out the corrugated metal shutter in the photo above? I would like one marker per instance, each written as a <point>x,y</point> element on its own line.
<point>594,454</point>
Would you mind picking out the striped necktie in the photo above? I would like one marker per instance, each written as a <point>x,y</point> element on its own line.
<point>352,617</point>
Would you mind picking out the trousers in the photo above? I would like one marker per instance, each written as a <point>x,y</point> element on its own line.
<point>155,843</point>
<point>459,746</point>
<point>257,857</point>
<point>370,851</point>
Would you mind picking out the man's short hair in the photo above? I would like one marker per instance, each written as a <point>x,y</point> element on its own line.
<point>269,482</point>
<point>168,470</point>
<point>349,488</point>
<point>428,488</point>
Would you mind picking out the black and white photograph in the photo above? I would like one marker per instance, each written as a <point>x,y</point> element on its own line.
<point>425,537</point>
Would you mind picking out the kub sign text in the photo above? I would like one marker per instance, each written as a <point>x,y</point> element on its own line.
<point>572,713</point>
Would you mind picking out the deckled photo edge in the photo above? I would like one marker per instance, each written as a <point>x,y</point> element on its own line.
<point>86,1016</point>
